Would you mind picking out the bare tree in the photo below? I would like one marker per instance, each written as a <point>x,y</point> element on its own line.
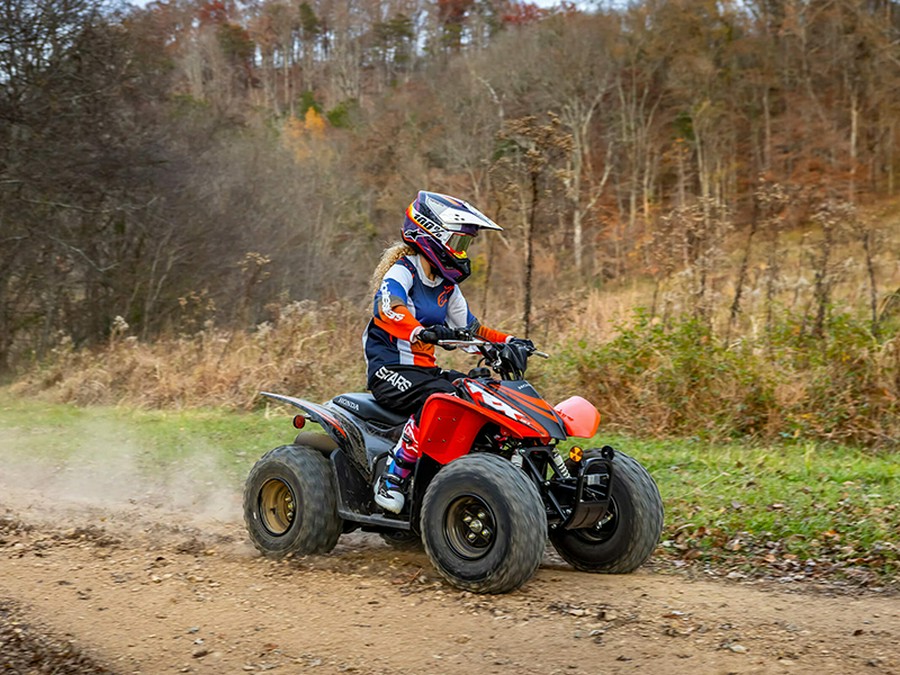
<point>532,152</point>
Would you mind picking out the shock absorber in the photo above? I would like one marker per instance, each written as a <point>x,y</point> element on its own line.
<point>559,464</point>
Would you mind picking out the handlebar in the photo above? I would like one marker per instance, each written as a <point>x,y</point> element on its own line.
<point>475,342</point>
<point>507,361</point>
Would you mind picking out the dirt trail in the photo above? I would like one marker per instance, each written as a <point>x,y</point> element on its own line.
<point>139,587</point>
<point>113,563</point>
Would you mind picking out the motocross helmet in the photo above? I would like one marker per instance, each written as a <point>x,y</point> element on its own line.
<point>441,228</point>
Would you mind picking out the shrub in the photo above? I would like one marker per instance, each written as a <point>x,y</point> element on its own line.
<point>677,378</point>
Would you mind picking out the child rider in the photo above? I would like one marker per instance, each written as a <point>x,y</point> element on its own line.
<point>417,303</point>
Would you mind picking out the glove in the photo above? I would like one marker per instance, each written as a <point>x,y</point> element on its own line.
<point>432,334</point>
<point>527,344</point>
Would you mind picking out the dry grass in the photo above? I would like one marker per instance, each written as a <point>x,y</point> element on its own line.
<point>647,376</point>
<point>307,348</point>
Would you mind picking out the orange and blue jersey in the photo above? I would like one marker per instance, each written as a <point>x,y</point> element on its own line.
<point>406,302</point>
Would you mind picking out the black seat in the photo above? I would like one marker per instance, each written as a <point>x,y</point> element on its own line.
<point>365,406</point>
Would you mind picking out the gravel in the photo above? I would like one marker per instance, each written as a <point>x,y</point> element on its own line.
<point>25,649</point>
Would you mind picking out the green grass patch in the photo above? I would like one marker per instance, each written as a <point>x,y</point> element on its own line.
<point>789,510</point>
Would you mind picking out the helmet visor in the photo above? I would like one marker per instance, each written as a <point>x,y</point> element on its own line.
<point>459,244</point>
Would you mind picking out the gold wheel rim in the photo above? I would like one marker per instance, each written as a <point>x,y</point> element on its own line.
<point>277,507</point>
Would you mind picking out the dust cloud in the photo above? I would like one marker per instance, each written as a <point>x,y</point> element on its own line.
<point>100,475</point>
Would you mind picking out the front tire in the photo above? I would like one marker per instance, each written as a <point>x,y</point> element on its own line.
<point>483,524</point>
<point>290,503</point>
<point>627,535</point>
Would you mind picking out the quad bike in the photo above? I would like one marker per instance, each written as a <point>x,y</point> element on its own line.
<point>488,488</point>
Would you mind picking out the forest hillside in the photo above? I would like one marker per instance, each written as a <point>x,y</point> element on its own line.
<point>699,198</point>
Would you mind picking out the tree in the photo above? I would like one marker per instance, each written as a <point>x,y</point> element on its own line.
<point>531,152</point>
<point>74,162</point>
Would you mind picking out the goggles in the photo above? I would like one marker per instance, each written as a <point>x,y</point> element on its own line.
<point>459,244</point>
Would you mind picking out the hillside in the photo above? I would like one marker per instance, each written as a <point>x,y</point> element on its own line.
<point>219,171</point>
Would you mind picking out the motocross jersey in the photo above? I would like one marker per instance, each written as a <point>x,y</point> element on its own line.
<point>406,302</point>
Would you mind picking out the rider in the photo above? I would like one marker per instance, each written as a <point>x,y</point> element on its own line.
<point>418,303</point>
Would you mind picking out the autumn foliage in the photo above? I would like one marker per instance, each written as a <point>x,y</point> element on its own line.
<point>730,165</point>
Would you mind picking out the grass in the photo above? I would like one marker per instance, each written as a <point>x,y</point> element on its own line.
<point>783,511</point>
<point>793,510</point>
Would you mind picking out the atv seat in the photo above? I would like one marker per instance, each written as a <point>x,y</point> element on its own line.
<point>365,406</point>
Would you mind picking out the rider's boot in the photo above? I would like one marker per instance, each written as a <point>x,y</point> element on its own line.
<point>390,488</point>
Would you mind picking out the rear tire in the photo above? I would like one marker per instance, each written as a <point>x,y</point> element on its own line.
<point>483,524</point>
<point>627,536</point>
<point>290,503</point>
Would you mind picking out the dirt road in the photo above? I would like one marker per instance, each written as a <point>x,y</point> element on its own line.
<point>141,586</point>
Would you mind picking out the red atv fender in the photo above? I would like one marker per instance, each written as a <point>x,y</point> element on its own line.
<point>449,424</point>
<point>580,416</point>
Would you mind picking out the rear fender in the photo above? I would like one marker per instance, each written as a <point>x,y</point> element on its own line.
<point>338,426</point>
<point>449,426</point>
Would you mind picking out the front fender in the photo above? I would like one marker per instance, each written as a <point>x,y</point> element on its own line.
<point>450,425</point>
<point>580,417</point>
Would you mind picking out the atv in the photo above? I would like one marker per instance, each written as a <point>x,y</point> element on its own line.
<point>490,485</point>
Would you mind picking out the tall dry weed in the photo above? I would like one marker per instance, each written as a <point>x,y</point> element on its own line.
<point>306,348</point>
<point>648,376</point>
